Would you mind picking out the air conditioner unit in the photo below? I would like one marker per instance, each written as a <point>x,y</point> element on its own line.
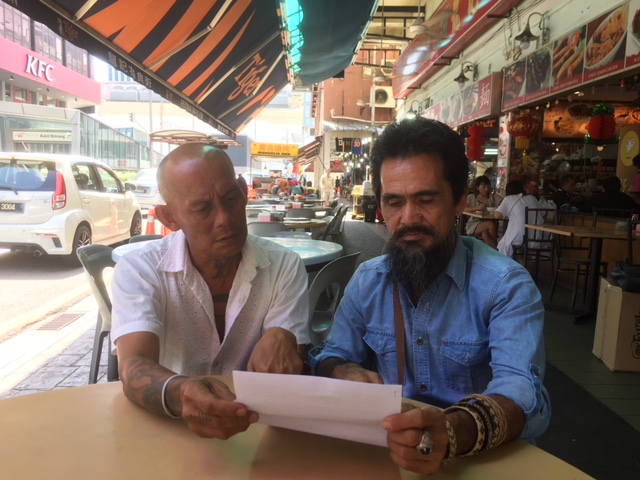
<point>382,97</point>
<point>387,68</point>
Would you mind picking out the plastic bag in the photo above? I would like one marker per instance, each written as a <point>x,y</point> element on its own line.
<point>627,276</point>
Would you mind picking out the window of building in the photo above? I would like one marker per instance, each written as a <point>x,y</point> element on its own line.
<point>20,95</point>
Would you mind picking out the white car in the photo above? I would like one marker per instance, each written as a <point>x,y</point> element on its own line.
<point>54,204</point>
<point>145,187</point>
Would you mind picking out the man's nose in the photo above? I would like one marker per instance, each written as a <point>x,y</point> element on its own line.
<point>411,213</point>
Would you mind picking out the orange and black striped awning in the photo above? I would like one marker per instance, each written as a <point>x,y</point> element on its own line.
<point>221,60</point>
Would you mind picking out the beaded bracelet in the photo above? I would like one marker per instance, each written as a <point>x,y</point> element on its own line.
<point>163,395</point>
<point>498,427</point>
<point>453,442</point>
<point>481,437</point>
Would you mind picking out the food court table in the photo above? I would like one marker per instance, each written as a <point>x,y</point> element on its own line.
<point>94,432</point>
<point>306,223</point>
<point>596,235</point>
<point>315,254</point>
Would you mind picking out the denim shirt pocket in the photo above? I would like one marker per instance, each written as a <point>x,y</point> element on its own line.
<point>465,365</point>
<point>383,346</point>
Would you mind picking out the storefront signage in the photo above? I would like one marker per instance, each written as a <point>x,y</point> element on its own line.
<point>34,136</point>
<point>604,46</point>
<point>570,119</point>
<point>479,100</point>
<point>274,149</point>
<point>39,68</point>
<point>27,64</point>
<point>460,21</point>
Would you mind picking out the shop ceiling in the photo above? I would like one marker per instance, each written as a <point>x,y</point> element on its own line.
<point>221,60</point>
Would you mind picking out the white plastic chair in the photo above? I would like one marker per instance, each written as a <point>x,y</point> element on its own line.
<point>262,229</point>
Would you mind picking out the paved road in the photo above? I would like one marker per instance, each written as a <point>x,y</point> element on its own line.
<point>34,288</point>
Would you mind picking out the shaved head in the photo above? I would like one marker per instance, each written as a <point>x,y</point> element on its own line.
<point>188,154</point>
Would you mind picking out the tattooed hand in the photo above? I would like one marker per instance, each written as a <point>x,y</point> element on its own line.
<point>209,407</point>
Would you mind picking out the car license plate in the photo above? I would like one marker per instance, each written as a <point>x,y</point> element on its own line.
<point>10,207</point>
<point>141,190</point>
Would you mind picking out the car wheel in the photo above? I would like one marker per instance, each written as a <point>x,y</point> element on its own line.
<point>136,225</point>
<point>80,239</point>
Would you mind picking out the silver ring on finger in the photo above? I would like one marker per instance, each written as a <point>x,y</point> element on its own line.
<point>425,447</point>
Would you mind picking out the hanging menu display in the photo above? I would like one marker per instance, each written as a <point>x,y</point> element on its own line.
<point>605,46</point>
<point>479,100</point>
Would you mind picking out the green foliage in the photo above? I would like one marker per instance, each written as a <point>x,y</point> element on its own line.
<point>125,175</point>
<point>602,109</point>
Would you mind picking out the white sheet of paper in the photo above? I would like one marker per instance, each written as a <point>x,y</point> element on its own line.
<point>325,406</point>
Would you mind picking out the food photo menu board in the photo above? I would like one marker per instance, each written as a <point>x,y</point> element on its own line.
<point>479,100</point>
<point>606,45</point>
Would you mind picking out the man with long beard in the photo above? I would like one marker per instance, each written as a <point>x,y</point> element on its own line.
<point>454,321</point>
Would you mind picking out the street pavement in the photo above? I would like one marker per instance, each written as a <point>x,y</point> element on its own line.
<point>53,354</point>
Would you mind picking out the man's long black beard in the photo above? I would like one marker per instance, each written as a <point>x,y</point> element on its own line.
<point>416,268</point>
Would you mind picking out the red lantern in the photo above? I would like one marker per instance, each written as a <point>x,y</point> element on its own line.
<point>523,128</point>
<point>602,127</point>
<point>475,142</point>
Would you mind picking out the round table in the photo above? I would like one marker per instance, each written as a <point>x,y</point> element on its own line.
<point>315,254</point>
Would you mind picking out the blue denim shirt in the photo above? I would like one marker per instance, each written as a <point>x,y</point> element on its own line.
<point>477,329</point>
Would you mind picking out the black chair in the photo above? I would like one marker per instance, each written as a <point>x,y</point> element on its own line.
<point>329,284</point>
<point>334,230</point>
<point>573,254</point>
<point>609,217</point>
<point>538,246</point>
<point>94,259</point>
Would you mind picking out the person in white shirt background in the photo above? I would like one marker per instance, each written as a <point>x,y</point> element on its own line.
<point>513,207</point>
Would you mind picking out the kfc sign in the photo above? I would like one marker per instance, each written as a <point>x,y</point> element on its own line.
<point>38,68</point>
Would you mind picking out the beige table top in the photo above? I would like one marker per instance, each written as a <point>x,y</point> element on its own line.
<point>483,216</point>
<point>582,231</point>
<point>95,433</point>
<point>310,223</point>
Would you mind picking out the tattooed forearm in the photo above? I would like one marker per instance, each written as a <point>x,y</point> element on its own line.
<point>142,381</point>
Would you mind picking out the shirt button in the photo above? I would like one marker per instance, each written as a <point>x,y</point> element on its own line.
<point>420,341</point>
<point>423,388</point>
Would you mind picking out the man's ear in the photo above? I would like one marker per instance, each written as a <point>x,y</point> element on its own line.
<point>462,202</point>
<point>165,215</point>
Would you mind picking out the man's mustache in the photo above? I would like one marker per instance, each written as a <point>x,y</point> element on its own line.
<point>423,229</point>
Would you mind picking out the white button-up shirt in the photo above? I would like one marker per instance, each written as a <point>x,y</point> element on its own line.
<point>157,289</point>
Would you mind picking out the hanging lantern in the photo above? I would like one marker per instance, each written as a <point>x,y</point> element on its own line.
<point>523,128</point>
<point>475,142</point>
<point>602,126</point>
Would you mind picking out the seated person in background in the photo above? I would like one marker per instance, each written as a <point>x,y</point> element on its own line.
<point>283,187</point>
<point>531,186</point>
<point>564,196</point>
<point>311,190</point>
<point>612,197</point>
<point>513,208</point>
<point>205,300</point>
<point>635,186</point>
<point>243,184</point>
<point>473,318</point>
<point>478,202</point>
